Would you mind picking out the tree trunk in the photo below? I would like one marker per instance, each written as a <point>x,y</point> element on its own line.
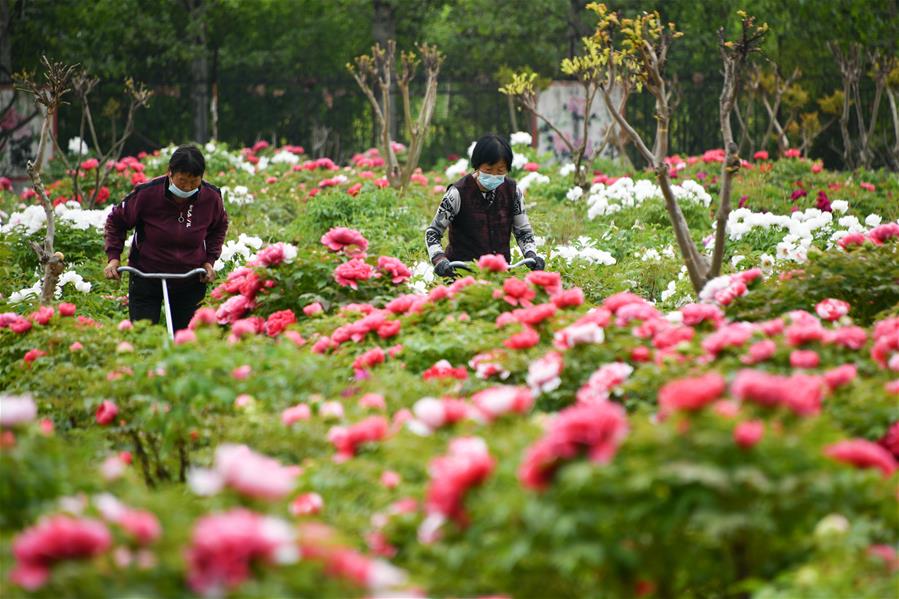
<point>891,96</point>
<point>383,28</point>
<point>5,40</point>
<point>199,72</point>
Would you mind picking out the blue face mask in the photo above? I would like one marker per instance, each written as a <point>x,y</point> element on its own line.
<point>177,191</point>
<point>490,182</point>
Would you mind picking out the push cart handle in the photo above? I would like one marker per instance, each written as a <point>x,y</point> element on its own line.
<point>467,265</point>
<point>162,275</point>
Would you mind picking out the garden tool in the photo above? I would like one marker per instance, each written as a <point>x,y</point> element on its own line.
<point>165,289</point>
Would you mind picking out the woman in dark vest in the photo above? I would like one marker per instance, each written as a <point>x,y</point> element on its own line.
<point>482,210</point>
<point>180,224</point>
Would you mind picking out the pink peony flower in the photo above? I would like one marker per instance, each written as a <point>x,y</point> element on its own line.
<point>90,164</point>
<point>106,412</point>
<point>350,273</point>
<point>760,155</point>
<point>347,439</point>
<point>33,354</point>
<point>373,401</point>
<point>890,440</point>
<point>883,233</point>
<point>832,309</point>
<point>295,414</point>
<point>516,292</point>
<point>466,465</point>
<point>503,399</point>
<point>203,316</point>
<point>800,393</point>
<point>840,376</point>
<point>747,434</point>
<point>252,474</point>
<point>67,309</point>
<point>493,263</point>
<point>435,413</point>
<point>867,186</point>
<point>544,373</point>
<point>369,359</point>
<point>225,545</point>
<point>596,429</point>
<point>390,479</point>
<point>233,309</point>
<point>804,358</point>
<point>601,383</point>
<point>862,454</point>
<point>690,394</point>
<point>444,370</point>
<point>695,314</point>
<point>338,239</point>
<point>185,336</point>
<point>43,315</point>
<point>527,338</point>
<point>570,298</point>
<point>55,539</point>
<point>759,351</point>
<point>273,255</point>
<point>307,504</point>
<point>278,321</point>
<point>16,410</point>
<point>395,269</point>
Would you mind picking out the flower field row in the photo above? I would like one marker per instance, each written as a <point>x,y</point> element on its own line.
<point>336,422</point>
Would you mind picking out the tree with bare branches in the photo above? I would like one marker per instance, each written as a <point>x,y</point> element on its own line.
<point>637,50</point>
<point>48,96</point>
<point>83,84</point>
<point>380,69</point>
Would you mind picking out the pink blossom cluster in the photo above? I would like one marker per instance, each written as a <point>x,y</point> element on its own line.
<point>394,269</point>
<point>246,472</point>
<point>55,539</point>
<point>347,439</point>
<point>725,289</point>
<point>878,236</point>
<point>489,364</point>
<point>596,429</point>
<point>886,344</point>
<point>444,370</point>
<point>544,374</point>
<point>603,381</point>
<point>341,239</point>
<point>350,273</point>
<point>225,545</point>
<point>502,399</point>
<point>862,453</point>
<point>467,464</point>
<point>432,413</point>
<point>690,393</point>
<point>800,393</point>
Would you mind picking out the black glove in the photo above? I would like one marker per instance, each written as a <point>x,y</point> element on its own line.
<point>444,269</point>
<point>539,263</point>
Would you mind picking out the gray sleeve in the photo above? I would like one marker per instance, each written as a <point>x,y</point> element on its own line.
<point>446,212</point>
<point>521,226</point>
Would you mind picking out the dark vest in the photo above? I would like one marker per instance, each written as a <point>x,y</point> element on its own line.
<point>477,230</point>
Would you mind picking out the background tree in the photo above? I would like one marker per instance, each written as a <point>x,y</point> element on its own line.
<point>48,95</point>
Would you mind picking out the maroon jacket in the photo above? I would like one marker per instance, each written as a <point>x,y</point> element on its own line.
<point>161,243</point>
<point>480,229</point>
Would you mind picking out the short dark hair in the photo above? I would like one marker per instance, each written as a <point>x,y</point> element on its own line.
<point>187,159</point>
<point>490,149</point>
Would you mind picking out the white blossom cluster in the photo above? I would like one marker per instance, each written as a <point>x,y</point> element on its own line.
<point>77,146</point>
<point>33,219</point>
<point>518,160</point>
<point>239,195</point>
<point>520,138</point>
<point>285,157</point>
<point>584,249</point>
<point>457,170</point>
<point>534,178</point>
<point>422,276</point>
<point>627,193</point>
<point>66,278</point>
<point>653,255</point>
<point>238,250</point>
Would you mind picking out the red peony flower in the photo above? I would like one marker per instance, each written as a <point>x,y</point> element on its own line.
<point>106,412</point>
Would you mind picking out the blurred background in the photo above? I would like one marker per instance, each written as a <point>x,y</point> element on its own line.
<point>246,70</point>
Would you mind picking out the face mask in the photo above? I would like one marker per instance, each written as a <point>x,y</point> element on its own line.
<point>181,193</point>
<point>490,182</point>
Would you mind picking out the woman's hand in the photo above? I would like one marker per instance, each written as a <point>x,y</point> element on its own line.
<point>110,270</point>
<point>210,273</point>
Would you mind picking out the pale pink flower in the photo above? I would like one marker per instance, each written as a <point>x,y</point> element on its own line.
<point>503,399</point>
<point>544,373</point>
<point>307,504</point>
<point>16,410</point>
<point>296,414</point>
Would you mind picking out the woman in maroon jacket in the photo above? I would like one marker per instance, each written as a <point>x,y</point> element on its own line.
<point>180,224</point>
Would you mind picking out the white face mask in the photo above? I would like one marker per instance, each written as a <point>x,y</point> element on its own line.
<point>177,191</point>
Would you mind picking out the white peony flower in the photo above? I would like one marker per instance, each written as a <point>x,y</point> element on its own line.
<point>520,138</point>
<point>77,146</point>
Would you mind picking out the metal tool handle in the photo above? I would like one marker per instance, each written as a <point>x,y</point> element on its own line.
<point>162,275</point>
<point>467,265</point>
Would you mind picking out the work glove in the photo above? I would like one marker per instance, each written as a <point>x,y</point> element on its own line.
<point>539,263</point>
<point>444,269</point>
